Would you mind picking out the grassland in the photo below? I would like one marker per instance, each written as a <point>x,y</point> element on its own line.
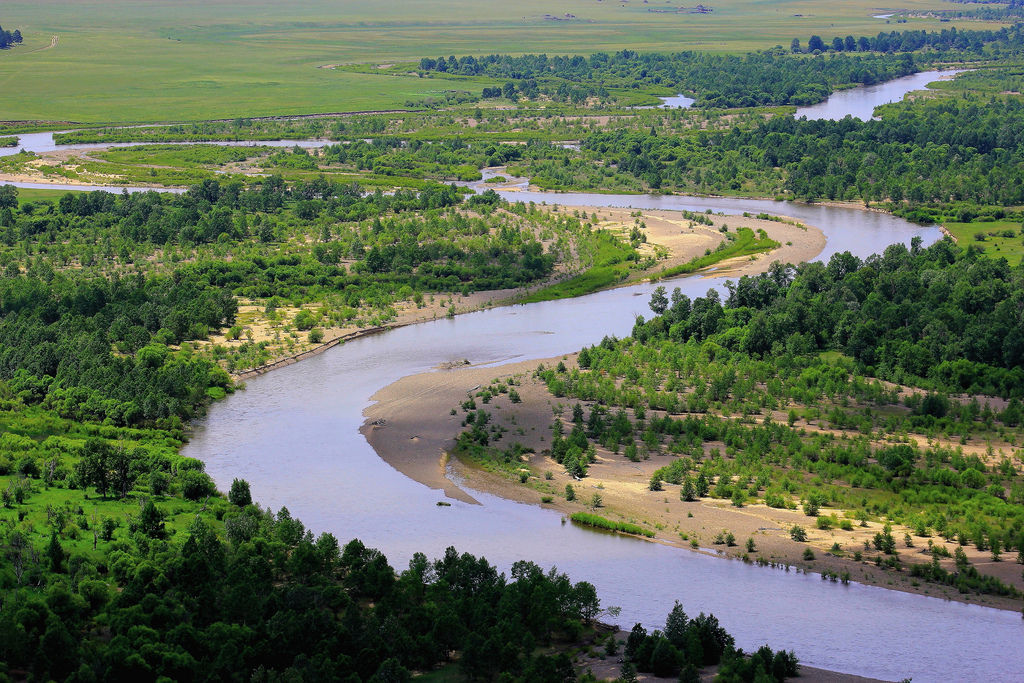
<point>997,239</point>
<point>122,61</point>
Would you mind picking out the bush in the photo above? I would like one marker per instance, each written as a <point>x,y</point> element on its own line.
<point>239,494</point>
<point>798,533</point>
<point>316,335</point>
<point>304,320</point>
<point>196,485</point>
<point>597,521</point>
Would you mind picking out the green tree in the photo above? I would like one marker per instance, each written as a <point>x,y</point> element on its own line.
<point>239,494</point>
<point>8,197</point>
<point>688,492</point>
<point>55,554</point>
<point>659,301</point>
<point>94,468</point>
<point>151,521</point>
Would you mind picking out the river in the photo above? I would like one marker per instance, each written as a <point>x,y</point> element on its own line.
<point>293,434</point>
<point>860,102</point>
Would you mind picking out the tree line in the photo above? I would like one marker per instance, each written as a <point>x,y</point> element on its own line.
<point>766,78</point>
<point>9,39</point>
<point>954,155</point>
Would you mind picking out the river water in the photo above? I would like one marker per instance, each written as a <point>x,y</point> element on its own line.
<point>293,434</point>
<point>860,103</point>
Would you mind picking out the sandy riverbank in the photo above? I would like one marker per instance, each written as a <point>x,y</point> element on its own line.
<point>684,239</point>
<point>411,427</point>
<point>670,237</point>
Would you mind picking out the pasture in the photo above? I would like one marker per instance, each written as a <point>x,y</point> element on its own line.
<point>124,61</point>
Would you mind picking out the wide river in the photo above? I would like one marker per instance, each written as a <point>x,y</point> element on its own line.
<point>293,433</point>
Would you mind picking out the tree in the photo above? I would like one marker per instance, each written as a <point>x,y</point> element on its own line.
<point>659,301</point>
<point>158,483</point>
<point>122,472</point>
<point>239,494</point>
<point>664,659</point>
<point>55,553</point>
<point>94,467</point>
<point>794,46</point>
<point>675,626</point>
<point>8,197</point>
<point>151,521</point>
<point>815,43</point>
<point>702,485</point>
<point>636,639</point>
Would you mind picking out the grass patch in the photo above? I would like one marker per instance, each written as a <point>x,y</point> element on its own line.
<point>611,259</point>
<point>996,238</point>
<point>599,522</point>
<point>745,244</point>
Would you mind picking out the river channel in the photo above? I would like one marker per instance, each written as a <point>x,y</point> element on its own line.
<point>860,103</point>
<point>293,434</point>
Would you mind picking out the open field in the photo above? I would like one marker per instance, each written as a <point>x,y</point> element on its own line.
<point>122,61</point>
<point>997,239</point>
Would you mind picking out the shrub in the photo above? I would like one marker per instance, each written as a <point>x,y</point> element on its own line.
<point>599,522</point>
<point>196,485</point>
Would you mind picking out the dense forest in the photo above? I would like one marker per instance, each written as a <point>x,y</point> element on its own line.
<point>9,38</point>
<point>755,79</point>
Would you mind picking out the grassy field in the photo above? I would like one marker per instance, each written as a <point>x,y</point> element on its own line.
<point>998,238</point>
<point>123,61</point>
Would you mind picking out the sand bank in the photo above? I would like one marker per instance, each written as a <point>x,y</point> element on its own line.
<point>411,427</point>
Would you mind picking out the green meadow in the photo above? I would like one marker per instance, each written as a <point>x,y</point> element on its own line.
<point>997,238</point>
<point>124,61</point>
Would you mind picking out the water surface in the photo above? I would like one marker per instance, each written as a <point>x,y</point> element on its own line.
<point>860,102</point>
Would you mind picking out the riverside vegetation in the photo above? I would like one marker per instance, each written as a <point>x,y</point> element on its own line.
<point>828,388</point>
<point>120,557</point>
